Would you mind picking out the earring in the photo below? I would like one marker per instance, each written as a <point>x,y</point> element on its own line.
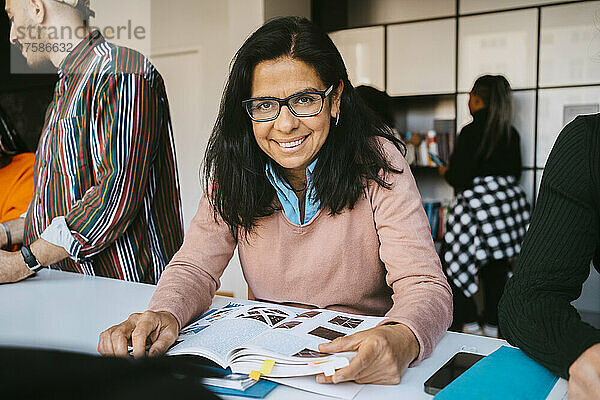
<point>337,119</point>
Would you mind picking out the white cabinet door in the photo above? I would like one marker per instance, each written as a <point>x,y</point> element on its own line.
<point>524,123</point>
<point>558,107</point>
<point>500,43</point>
<point>421,58</point>
<point>474,6</point>
<point>526,184</point>
<point>570,45</point>
<point>363,53</point>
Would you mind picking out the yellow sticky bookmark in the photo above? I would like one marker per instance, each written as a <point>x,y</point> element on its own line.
<point>255,375</point>
<point>264,370</point>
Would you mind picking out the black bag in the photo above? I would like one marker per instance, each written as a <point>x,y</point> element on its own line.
<point>46,374</point>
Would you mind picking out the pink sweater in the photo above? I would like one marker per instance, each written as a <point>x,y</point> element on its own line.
<point>376,259</point>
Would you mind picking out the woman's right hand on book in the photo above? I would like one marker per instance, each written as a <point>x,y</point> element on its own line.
<point>158,329</point>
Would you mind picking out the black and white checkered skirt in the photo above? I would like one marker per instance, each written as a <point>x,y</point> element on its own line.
<point>485,223</point>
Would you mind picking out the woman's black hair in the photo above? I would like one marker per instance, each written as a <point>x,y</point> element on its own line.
<point>378,101</point>
<point>234,165</point>
<point>496,94</point>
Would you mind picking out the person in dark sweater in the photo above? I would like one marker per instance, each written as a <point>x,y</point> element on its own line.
<point>564,237</point>
<point>487,147</point>
<point>490,145</point>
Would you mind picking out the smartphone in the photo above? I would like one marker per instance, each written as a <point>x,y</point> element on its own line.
<point>454,368</point>
<point>436,160</point>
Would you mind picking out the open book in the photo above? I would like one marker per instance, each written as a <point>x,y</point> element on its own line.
<point>275,341</point>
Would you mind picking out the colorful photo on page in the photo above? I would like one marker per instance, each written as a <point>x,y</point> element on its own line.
<point>221,313</point>
<point>213,314</point>
<point>198,328</point>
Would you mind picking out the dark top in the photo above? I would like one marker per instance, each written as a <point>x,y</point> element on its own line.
<point>465,165</point>
<point>535,312</point>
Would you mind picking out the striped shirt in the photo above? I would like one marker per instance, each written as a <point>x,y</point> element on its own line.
<point>106,186</point>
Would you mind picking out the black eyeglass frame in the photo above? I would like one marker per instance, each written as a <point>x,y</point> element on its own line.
<point>285,102</point>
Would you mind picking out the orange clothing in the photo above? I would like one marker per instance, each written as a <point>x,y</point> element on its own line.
<point>16,186</point>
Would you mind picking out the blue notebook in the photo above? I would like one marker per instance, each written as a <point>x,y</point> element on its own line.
<point>258,391</point>
<point>507,373</point>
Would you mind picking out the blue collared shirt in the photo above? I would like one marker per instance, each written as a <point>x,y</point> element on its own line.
<point>288,197</point>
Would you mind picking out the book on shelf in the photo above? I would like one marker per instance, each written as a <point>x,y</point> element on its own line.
<point>443,212</point>
<point>446,136</point>
<point>272,341</point>
<point>434,221</point>
<point>436,214</point>
<point>420,146</point>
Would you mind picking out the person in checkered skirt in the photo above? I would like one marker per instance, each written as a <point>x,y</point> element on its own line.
<point>489,215</point>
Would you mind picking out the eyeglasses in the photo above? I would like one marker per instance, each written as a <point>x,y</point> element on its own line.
<point>305,104</point>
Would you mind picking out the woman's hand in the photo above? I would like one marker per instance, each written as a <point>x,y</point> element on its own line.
<point>160,329</point>
<point>442,170</point>
<point>383,354</point>
<point>584,381</point>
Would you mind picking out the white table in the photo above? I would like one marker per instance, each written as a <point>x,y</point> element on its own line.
<point>60,310</point>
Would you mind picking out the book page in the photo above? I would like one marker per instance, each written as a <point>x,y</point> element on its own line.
<point>218,331</point>
<point>300,337</point>
<point>559,391</point>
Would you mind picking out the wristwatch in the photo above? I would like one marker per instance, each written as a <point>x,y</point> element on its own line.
<point>32,262</point>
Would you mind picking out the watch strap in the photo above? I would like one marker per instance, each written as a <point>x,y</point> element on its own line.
<point>30,259</point>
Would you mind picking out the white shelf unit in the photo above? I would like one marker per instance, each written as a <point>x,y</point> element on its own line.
<point>425,53</point>
<point>363,52</point>
<point>500,43</point>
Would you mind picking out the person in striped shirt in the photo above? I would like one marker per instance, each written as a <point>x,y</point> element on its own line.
<point>106,199</point>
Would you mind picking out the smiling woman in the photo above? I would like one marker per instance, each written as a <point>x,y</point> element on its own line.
<point>293,137</point>
<point>314,191</point>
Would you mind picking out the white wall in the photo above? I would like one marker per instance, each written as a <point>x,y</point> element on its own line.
<point>112,15</point>
<point>193,42</point>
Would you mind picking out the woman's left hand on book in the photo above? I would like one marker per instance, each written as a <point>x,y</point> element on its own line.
<point>383,354</point>
<point>159,329</point>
